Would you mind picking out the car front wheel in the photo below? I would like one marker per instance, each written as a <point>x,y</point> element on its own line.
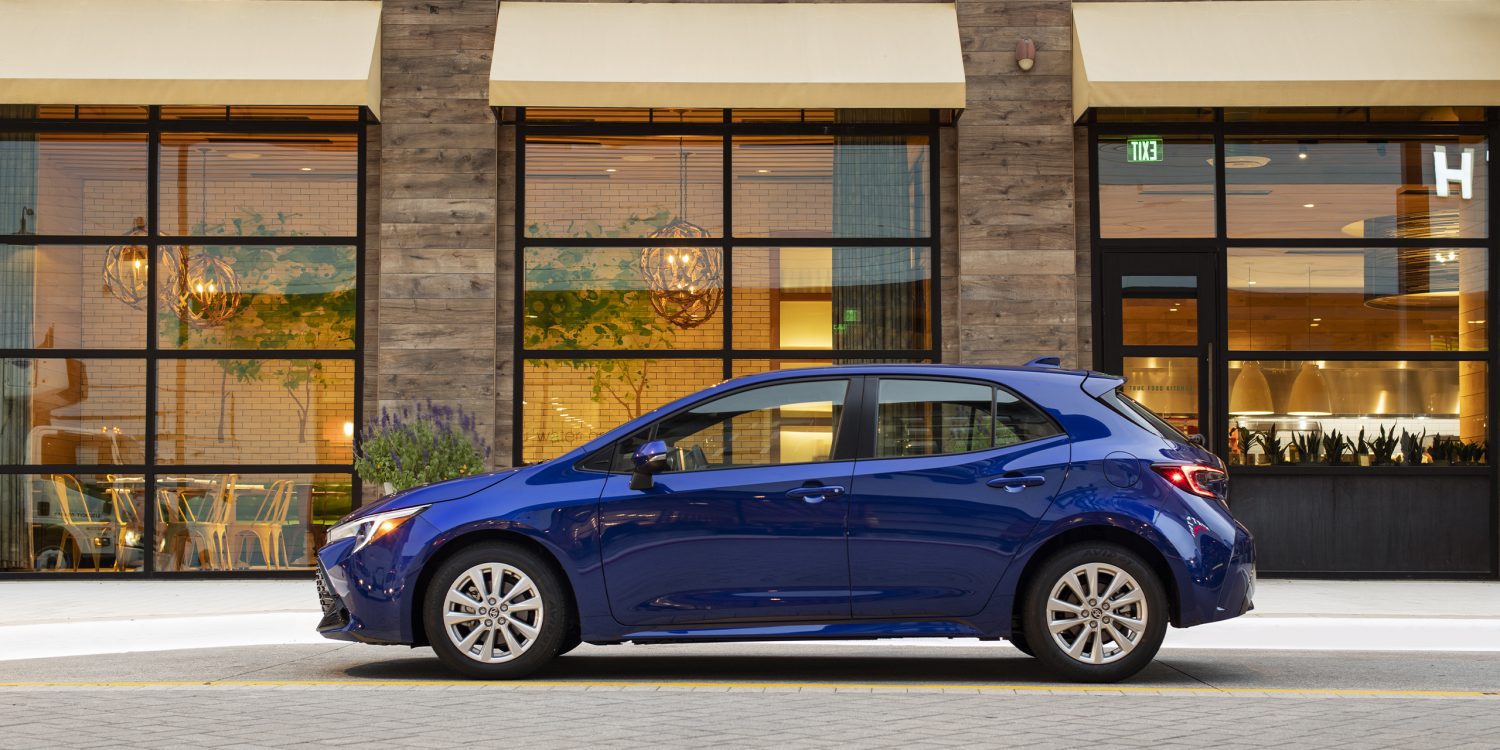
<point>495,611</point>
<point>1095,613</point>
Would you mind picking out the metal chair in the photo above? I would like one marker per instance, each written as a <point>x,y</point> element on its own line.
<point>266,528</point>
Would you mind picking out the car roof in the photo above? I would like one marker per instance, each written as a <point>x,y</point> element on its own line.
<point>982,371</point>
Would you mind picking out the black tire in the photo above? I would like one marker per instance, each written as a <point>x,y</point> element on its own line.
<point>555,613</point>
<point>1143,643</point>
<point>1018,639</point>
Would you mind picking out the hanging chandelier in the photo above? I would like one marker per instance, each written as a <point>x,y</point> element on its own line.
<point>201,290</point>
<point>686,283</point>
<point>127,269</point>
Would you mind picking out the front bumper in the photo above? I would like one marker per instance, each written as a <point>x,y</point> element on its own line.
<point>366,596</point>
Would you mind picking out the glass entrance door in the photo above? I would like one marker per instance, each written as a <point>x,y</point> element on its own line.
<point>1159,313</point>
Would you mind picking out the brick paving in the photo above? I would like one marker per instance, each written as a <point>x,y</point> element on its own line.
<point>672,716</point>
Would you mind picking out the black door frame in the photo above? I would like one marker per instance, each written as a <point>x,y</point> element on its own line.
<point>1202,262</point>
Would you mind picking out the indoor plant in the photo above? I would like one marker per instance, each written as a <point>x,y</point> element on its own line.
<point>1411,447</point>
<point>418,446</point>
<point>1383,447</point>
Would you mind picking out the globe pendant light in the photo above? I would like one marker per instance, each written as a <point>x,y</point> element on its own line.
<point>1251,394</point>
<point>202,290</point>
<point>686,283</point>
<point>127,270</point>
<point>1309,394</point>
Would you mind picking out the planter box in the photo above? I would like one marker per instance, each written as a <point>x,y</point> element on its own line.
<point>1367,522</point>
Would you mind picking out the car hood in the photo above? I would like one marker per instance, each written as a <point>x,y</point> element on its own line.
<point>437,492</point>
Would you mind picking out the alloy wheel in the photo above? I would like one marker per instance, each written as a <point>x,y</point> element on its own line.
<point>492,613</point>
<point>1097,613</point>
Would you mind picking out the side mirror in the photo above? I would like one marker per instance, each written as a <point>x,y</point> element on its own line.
<point>1197,439</point>
<point>650,460</point>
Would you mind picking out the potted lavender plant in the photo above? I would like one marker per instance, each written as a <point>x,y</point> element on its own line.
<point>418,446</point>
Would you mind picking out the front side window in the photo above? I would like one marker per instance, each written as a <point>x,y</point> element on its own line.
<point>786,423</point>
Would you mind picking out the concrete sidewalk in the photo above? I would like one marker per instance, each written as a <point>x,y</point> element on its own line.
<point>41,619</point>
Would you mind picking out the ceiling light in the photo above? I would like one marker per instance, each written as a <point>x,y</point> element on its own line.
<point>1250,394</point>
<point>1309,205</point>
<point>762,171</point>
<point>307,169</point>
<point>610,170</point>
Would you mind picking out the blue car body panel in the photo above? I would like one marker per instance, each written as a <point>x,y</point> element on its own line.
<point>915,546</point>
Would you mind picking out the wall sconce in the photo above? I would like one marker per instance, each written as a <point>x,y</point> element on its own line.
<point>1025,54</point>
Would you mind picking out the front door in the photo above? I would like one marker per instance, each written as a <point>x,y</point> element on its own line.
<point>748,521</point>
<point>1158,315</point>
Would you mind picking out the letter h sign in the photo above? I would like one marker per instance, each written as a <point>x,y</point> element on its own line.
<point>1443,174</point>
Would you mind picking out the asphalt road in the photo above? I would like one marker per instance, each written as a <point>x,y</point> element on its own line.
<point>763,695</point>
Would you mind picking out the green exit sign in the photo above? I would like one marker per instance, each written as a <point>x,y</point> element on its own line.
<point>1143,149</point>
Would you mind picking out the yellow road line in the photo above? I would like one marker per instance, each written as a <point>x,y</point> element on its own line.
<point>750,685</point>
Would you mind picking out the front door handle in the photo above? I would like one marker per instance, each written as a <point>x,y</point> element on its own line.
<point>1016,484</point>
<point>816,495</point>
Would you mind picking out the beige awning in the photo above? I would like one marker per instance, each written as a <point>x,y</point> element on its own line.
<point>248,52</point>
<point>1286,53</point>
<point>800,55</point>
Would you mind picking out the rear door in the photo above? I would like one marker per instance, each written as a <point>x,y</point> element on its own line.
<point>960,473</point>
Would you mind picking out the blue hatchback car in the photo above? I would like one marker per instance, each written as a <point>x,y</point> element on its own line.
<point>1034,504</point>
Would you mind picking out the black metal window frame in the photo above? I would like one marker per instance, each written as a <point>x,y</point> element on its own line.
<point>153,126</point>
<point>1219,244</point>
<point>726,353</point>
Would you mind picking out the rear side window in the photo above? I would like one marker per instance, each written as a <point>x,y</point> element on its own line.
<point>936,417</point>
<point>1130,409</point>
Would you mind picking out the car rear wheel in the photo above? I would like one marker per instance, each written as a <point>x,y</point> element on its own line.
<point>495,611</point>
<point>1095,613</point>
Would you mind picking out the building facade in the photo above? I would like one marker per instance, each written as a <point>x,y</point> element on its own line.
<point>211,286</point>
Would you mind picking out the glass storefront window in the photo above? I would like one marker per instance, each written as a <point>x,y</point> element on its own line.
<point>844,298</point>
<point>256,411</point>
<point>82,468</point>
<point>567,402</point>
<point>246,521</point>
<point>826,186</point>
<point>72,522</point>
<point>1159,310</point>
<point>827,252</point>
<point>73,297</point>
<point>1153,186</point>
<point>599,298</point>
<point>1358,299</point>
<point>1366,188</point>
<point>72,183</point>
<point>282,297</point>
<point>73,411</point>
<point>263,185</point>
<point>1439,405</point>
<point>583,187</point>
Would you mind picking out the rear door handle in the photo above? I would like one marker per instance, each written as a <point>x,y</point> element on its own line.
<point>816,495</point>
<point>1016,484</point>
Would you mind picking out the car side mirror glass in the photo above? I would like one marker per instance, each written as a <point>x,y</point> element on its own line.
<point>1197,439</point>
<point>650,460</point>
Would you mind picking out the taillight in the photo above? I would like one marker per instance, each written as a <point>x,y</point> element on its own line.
<point>1203,481</point>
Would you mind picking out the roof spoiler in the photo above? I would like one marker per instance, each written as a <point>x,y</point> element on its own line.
<point>1097,384</point>
<point>1052,362</point>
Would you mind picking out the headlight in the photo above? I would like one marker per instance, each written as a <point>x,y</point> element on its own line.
<point>370,528</point>
<point>132,538</point>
